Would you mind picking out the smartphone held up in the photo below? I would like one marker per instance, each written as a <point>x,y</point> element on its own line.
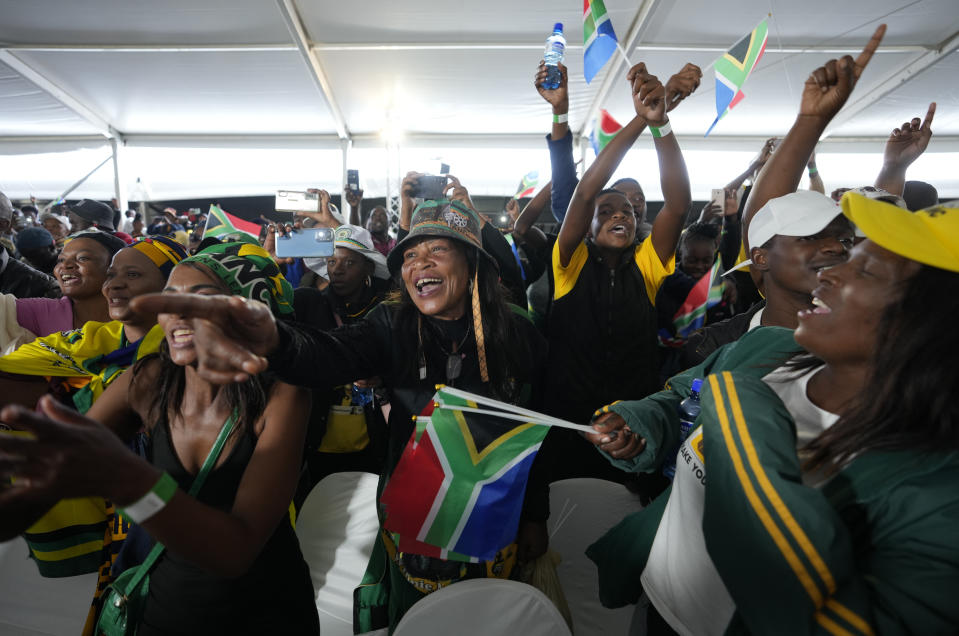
<point>429,187</point>
<point>305,243</point>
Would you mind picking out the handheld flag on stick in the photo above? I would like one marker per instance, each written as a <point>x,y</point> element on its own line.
<point>691,315</point>
<point>458,489</point>
<point>733,69</point>
<point>604,129</point>
<point>599,40</point>
<point>528,185</point>
<point>221,223</point>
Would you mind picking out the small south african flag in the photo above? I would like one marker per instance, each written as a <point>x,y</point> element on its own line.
<point>604,130</point>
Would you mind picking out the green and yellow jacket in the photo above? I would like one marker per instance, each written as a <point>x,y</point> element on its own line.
<point>873,551</point>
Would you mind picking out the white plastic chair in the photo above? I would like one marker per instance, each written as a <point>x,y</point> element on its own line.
<point>581,511</point>
<point>337,526</point>
<point>487,607</point>
<point>31,605</point>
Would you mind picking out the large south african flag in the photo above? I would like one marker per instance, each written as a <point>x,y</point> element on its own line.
<point>458,489</point>
<point>219,222</point>
<point>733,69</point>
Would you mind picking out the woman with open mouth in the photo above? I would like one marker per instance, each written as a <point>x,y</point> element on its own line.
<point>80,271</point>
<point>244,566</point>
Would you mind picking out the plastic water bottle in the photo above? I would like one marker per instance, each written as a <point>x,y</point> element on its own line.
<point>360,396</point>
<point>688,412</point>
<point>554,54</point>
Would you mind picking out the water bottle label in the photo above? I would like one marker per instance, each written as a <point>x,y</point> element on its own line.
<point>557,47</point>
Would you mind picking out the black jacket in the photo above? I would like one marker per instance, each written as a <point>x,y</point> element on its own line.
<point>385,344</point>
<point>702,343</point>
<point>23,281</point>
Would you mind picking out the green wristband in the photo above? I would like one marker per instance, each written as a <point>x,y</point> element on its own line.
<point>662,131</point>
<point>560,119</point>
<point>813,171</point>
<point>152,502</point>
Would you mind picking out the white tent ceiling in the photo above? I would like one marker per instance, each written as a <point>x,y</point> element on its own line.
<point>208,97</point>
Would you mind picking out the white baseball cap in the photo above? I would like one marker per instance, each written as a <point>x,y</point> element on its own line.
<point>358,239</point>
<point>801,213</point>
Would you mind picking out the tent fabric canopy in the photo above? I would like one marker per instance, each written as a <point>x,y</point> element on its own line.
<point>242,97</point>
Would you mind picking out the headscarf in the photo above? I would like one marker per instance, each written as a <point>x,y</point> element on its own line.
<point>164,252</point>
<point>92,357</point>
<point>249,271</point>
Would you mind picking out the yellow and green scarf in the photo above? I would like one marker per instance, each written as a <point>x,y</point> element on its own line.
<point>97,351</point>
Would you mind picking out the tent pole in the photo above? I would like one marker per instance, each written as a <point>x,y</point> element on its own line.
<point>119,184</point>
<point>76,185</point>
<point>345,145</point>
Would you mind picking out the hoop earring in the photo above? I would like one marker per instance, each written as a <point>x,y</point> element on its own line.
<point>369,281</point>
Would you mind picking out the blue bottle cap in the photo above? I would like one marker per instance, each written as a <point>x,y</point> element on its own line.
<point>697,385</point>
<point>558,27</point>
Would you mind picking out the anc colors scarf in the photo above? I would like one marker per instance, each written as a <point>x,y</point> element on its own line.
<point>249,271</point>
<point>97,351</point>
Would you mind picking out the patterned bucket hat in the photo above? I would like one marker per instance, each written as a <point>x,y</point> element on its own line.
<point>440,219</point>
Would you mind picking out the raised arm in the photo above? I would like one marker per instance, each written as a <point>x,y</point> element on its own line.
<point>524,222</point>
<point>824,94</point>
<point>560,141</point>
<point>755,166</point>
<point>407,204</point>
<point>648,100</point>
<point>673,177</point>
<point>355,199</point>
<point>493,241</point>
<point>815,179</point>
<point>731,239</point>
<point>323,217</point>
<point>674,181</point>
<point>904,146</point>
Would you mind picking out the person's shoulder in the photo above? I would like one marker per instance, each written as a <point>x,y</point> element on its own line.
<point>39,303</point>
<point>23,269</point>
<point>914,488</point>
<point>143,384</point>
<point>386,318</point>
<point>763,336</point>
<point>310,306</point>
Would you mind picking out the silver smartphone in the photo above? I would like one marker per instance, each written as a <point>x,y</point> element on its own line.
<point>296,201</point>
<point>305,243</point>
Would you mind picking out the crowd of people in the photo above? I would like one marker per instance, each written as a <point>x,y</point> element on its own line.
<point>812,328</point>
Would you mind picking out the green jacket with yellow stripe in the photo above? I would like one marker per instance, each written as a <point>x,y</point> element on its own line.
<point>873,551</point>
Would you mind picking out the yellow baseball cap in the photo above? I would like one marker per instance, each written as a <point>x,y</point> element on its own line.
<point>929,236</point>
